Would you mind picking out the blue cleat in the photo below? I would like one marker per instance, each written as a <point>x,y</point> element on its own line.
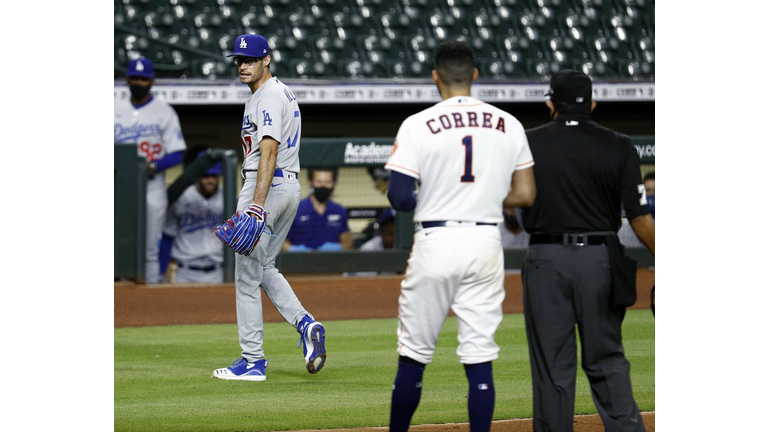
<point>244,371</point>
<point>313,338</point>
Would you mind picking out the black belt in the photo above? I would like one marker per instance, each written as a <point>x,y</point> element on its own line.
<point>435,224</point>
<point>575,239</point>
<point>205,269</point>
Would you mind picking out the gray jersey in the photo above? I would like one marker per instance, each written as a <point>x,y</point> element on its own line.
<point>154,127</point>
<point>272,111</point>
<point>190,220</point>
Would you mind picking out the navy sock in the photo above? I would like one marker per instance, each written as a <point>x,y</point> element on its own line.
<point>405,394</point>
<point>482,396</point>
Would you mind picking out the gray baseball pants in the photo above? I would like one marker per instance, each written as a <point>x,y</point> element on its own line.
<point>565,287</point>
<point>257,270</point>
<point>157,203</point>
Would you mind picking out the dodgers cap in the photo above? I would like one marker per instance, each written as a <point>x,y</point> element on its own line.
<point>250,45</point>
<point>215,169</point>
<point>386,215</point>
<point>570,86</point>
<point>141,67</point>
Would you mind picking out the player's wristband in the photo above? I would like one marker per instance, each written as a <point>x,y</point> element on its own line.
<point>168,161</point>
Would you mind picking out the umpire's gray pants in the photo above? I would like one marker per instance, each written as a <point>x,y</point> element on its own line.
<point>259,268</point>
<point>565,286</point>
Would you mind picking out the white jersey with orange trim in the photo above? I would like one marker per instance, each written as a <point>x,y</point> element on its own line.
<point>272,111</point>
<point>463,153</point>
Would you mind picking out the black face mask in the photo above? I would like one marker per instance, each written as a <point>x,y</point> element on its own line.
<point>139,92</point>
<point>322,193</point>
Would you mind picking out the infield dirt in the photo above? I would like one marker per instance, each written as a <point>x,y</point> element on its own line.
<point>329,298</point>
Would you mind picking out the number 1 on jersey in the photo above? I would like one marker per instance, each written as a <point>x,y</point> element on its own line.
<point>467,143</point>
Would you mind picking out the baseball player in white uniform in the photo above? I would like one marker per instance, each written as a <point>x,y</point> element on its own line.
<point>154,127</point>
<point>199,256</point>
<point>470,160</point>
<point>271,134</point>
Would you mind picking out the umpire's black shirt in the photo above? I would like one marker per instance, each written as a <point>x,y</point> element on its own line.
<point>583,173</point>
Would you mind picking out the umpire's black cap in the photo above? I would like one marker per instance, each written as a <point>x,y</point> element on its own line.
<point>571,87</point>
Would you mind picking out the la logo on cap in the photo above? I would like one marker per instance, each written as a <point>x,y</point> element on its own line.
<point>139,66</point>
<point>243,44</point>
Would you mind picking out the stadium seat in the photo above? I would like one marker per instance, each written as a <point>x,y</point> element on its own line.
<point>309,69</point>
<point>498,69</point>
<point>371,10</point>
<point>396,68</point>
<point>586,19</point>
<point>262,23</point>
<point>382,45</point>
<point>604,69</point>
<point>441,34</point>
<point>419,42</point>
<point>513,47</point>
<point>229,20</point>
<point>566,51</point>
<point>422,63</point>
<point>307,23</point>
<point>275,8</point>
<point>157,52</point>
<point>596,69</point>
<point>180,58</point>
<point>544,18</point>
<point>211,69</point>
<point>350,22</point>
<point>351,68</point>
<point>280,66</point>
<point>650,23</point>
<point>329,59</point>
<point>586,67</point>
<point>207,19</point>
<point>630,69</point>
<point>645,47</point>
<point>609,51</point>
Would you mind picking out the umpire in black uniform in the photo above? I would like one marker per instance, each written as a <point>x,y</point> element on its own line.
<point>575,272</point>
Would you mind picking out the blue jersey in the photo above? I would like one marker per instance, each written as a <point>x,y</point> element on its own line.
<point>312,230</point>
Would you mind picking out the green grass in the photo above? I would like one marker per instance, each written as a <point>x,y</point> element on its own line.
<point>163,377</point>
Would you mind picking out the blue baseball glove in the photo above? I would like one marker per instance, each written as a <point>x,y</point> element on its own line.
<point>242,231</point>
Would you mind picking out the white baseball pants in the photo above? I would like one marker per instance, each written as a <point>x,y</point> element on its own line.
<point>459,269</point>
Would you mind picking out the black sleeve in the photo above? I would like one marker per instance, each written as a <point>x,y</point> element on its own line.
<point>632,187</point>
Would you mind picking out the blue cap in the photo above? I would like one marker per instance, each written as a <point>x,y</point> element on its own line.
<point>141,67</point>
<point>250,45</point>
<point>215,169</point>
<point>386,215</point>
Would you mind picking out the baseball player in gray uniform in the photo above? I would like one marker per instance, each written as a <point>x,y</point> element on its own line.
<point>199,256</point>
<point>154,127</point>
<point>270,133</point>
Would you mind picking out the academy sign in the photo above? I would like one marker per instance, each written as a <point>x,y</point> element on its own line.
<point>367,153</point>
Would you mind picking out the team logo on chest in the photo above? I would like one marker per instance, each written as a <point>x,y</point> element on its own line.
<point>247,122</point>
